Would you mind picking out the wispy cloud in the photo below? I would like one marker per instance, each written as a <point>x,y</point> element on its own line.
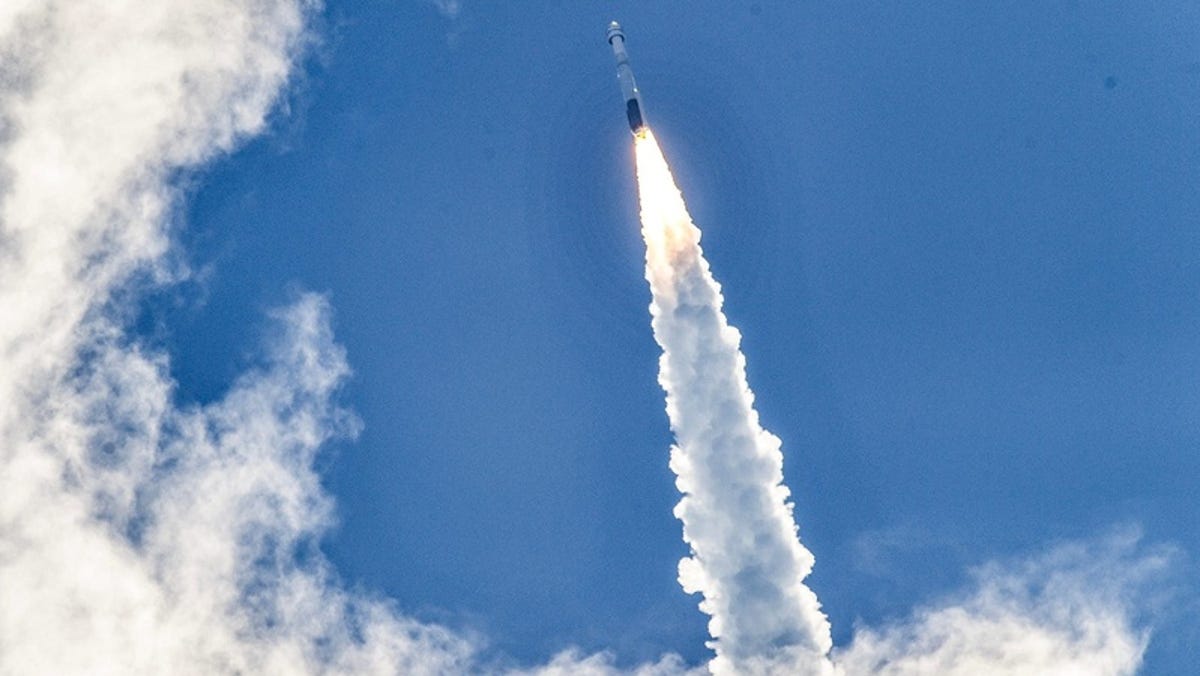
<point>138,536</point>
<point>1071,610</point>
<point>452,11</point>
<point>447,8</point>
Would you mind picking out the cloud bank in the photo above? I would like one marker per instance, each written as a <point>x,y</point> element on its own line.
<point>136,536</point>
<point>1070,611</point>
<point>141,536</point>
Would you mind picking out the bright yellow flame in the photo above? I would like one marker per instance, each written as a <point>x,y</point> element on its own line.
<point>666,225</point>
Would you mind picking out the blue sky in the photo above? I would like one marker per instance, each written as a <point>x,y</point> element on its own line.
<point>960,242</point>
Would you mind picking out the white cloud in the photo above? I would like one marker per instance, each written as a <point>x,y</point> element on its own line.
<point>136,536</point>
<point>1071,611</point>
<point>447,8</point>
<point>574,663</point>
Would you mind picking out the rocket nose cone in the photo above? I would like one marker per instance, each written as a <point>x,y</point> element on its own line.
<point>614,30</point>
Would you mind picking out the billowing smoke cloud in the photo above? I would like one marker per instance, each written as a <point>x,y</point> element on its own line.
<point>1065,614</point>
<point>141,536</point>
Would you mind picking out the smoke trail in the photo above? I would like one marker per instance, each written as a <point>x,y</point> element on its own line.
<point>746,558</point>
<point>1068,611</point>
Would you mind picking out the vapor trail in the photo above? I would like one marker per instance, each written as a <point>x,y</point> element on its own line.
<point>746,559</point>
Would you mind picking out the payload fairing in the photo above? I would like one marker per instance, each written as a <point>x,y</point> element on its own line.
<point>633,100</point>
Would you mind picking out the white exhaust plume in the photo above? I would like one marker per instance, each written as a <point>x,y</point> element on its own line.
<point>1067,613</point>
<point>746,558</point>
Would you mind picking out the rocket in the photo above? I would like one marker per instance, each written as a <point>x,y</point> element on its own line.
<point>633,100</point>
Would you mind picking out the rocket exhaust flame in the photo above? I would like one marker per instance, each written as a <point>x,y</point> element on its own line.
<point>746,557</point>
